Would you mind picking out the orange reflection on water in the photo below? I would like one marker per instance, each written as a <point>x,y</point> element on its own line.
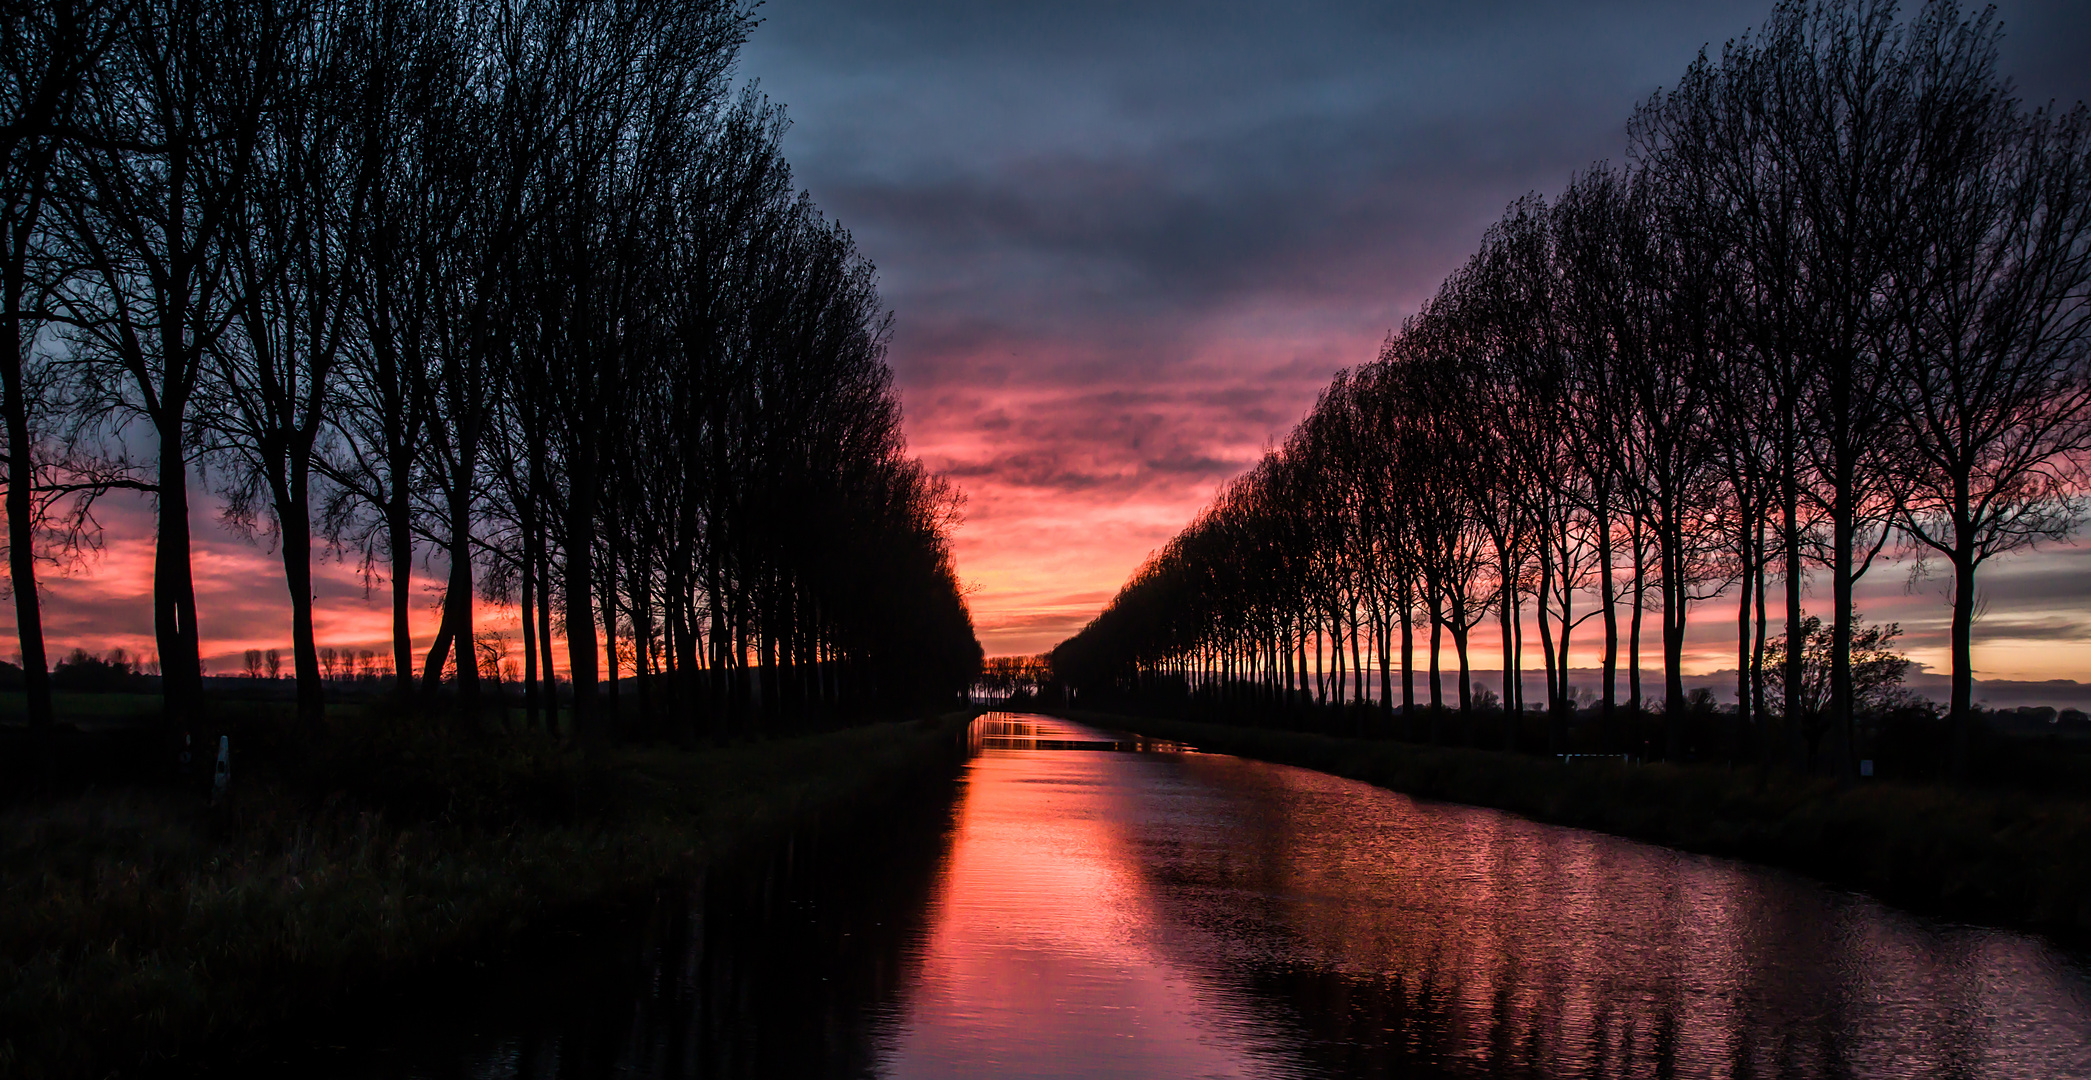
<point>1129,914</point>
<point>1484,941</point>
<point>1042,956</point>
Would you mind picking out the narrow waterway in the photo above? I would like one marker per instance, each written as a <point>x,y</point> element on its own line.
<point>1081,904</point>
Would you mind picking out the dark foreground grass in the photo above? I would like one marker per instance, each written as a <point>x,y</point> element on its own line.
<point>2015,859</point>
<point>138,923</point>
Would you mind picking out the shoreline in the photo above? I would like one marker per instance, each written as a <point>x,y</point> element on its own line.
<point>2003,859</point>
<point>141,926</point>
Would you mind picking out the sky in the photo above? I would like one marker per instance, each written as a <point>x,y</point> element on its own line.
<point>1127,244</point>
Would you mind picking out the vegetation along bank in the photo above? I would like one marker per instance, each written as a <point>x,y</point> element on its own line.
<point>135,923</point>
<point>2020,857</point>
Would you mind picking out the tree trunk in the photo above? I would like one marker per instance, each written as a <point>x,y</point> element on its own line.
<point>544,630</point>
<point>1963,692</point>
<point>1357,664</point>
<point>1517,658</point>
<point>1554,677</point>
<point>1505,607</point>
<point>581,648</point>
<point>438,653</point>
<point>294,514</point>
<point>1633,631</point>
<point>1843,541</point>
<point>1608,598</point>
<point>1741,723</point>
<point>1408,659</point>
<point>400,545</point>
<point>528,602</point>
<point>1466,683</point>
<point>1674,599</point>
<point>607,575</point>
<point>457,595</point>
<point>1765,750</point>
<point>688,694</point>
<point>174,592</point>
<point>1437,681</point>
<point>31,165</point>
<point>1796,637</point>
<point>21,481</point>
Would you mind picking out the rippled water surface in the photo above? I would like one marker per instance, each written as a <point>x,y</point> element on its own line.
<point>1083,904</point>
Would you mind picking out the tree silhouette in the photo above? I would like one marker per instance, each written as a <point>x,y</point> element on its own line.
<point>1838,295</point>
<point>523,289</point>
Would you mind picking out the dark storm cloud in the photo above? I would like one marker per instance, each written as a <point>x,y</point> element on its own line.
<point>1159,160</point>
<point>2058,576</point>
<point>1020,173</point>
<point>2044,628</point>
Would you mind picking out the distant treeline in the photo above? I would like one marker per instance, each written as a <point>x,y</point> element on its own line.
<point>1006,675</point>
<point>525,286</point>
<point>1837,300</point>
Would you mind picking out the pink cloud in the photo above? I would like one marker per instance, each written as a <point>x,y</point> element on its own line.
<point>1085,455</point>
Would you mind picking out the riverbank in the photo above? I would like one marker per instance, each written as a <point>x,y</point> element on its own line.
<point>2009,858</point>
<point>138,923</point>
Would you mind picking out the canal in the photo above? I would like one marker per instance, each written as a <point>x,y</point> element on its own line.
<point>1083,904</point>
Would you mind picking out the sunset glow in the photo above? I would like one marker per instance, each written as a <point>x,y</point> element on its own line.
<point>1132,263</point>
<point>1111,299</point>
<point>940,539</point>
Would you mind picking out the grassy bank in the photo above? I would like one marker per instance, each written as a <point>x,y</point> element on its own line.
<point>2017,859</point>
<point>140,922</point>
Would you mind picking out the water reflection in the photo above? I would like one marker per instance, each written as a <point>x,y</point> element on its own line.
<point>1043,957</point>
<point>1190,914</point>
<point>1016,731</point>
<point>1402,935</point>
<point>1087,904</point>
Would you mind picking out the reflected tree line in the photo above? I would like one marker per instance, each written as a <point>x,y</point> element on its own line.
<point>1835,304</point>
<point>522,290</point>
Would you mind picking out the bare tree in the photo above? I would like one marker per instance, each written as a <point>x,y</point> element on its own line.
<point>1840,292</point>
<point>295,242</point>
<point>520,286</point>
<point>1991,331</point>
<point>48,55</point>
<point>179,109</point>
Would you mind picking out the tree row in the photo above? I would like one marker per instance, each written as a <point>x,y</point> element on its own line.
<point>521,292</point>
<point>1837,303</point>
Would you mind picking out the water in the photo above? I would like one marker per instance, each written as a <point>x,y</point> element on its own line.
<point>1089,905</point>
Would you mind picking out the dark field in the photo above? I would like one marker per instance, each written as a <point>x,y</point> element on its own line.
<point>139,920</point>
